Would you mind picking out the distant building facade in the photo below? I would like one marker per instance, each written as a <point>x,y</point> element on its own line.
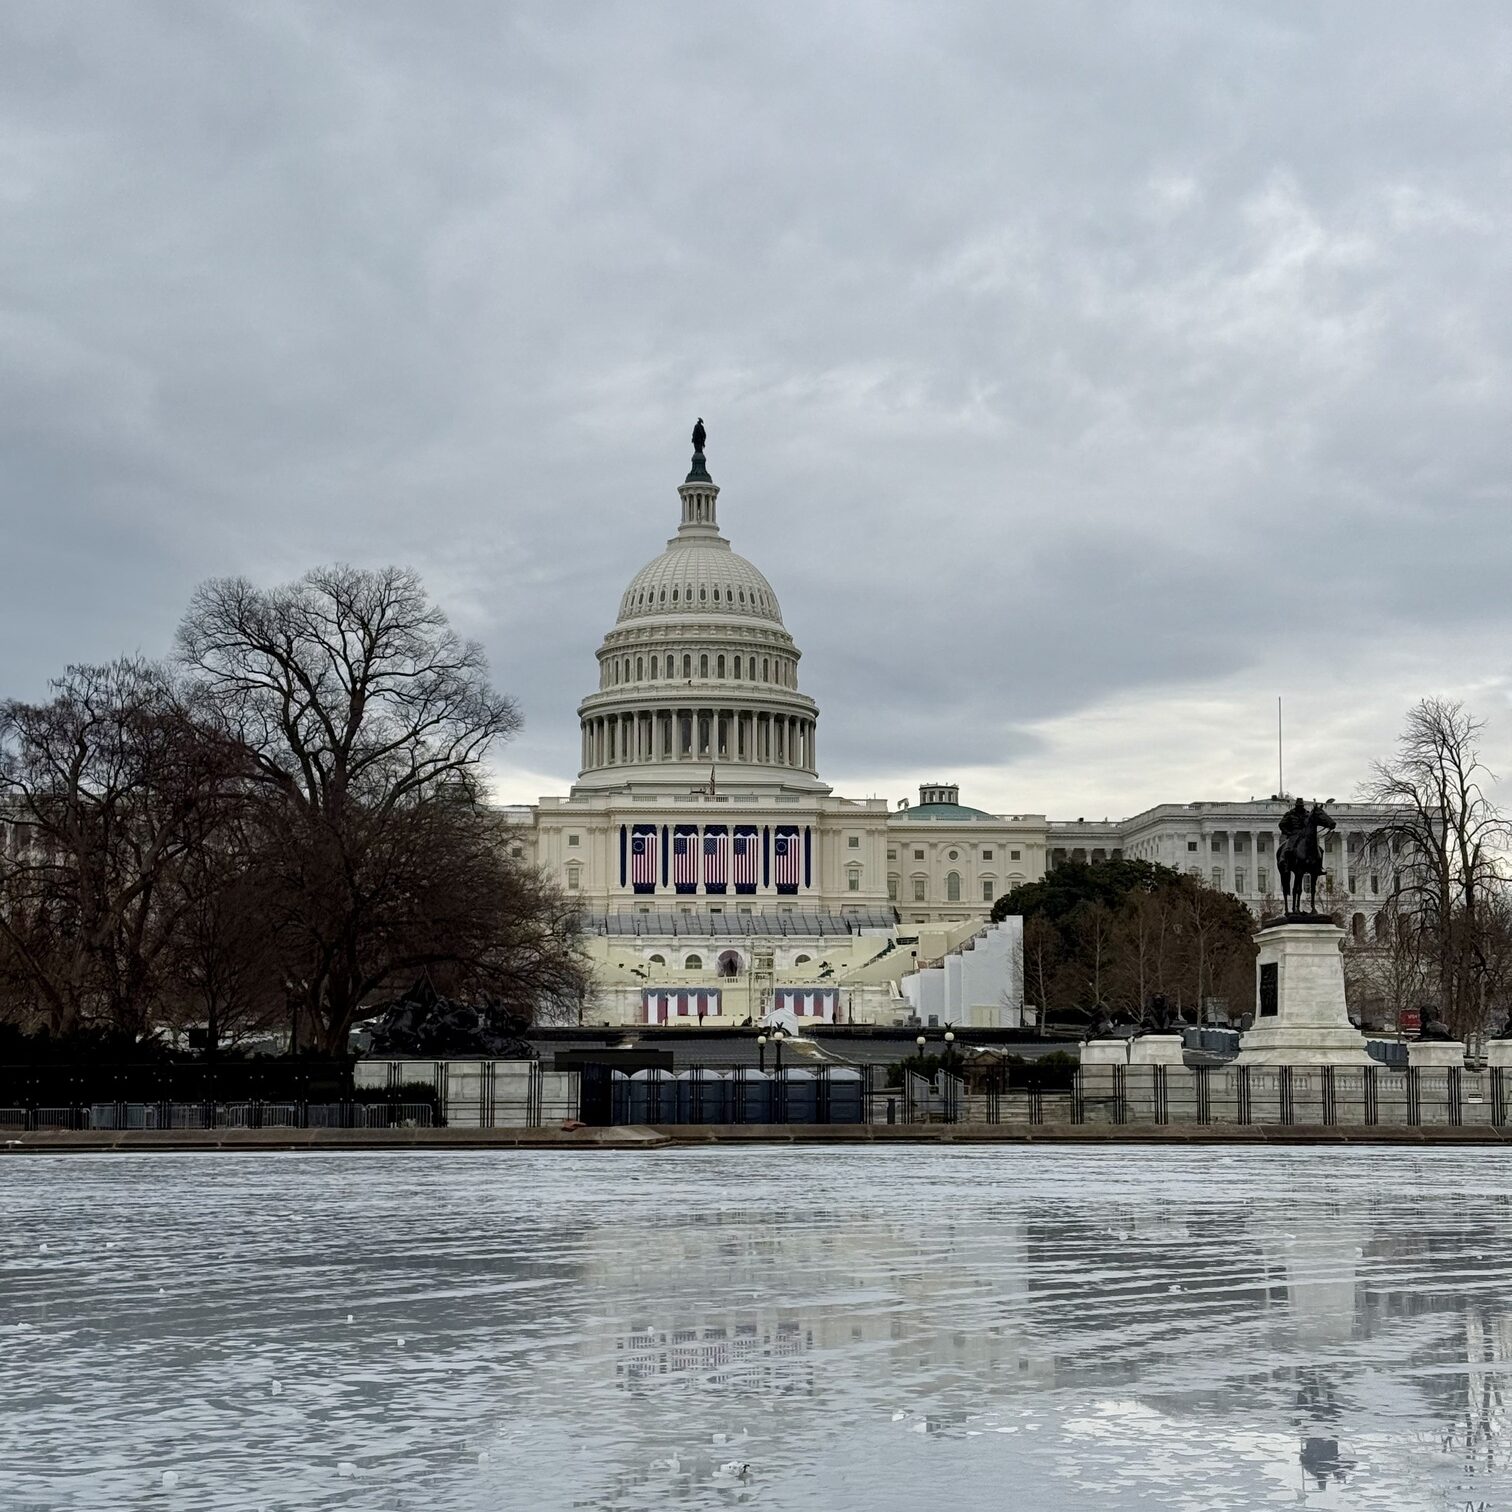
<point>1232,847</point>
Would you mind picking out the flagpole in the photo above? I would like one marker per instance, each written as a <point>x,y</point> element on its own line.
<point>1280,769</point>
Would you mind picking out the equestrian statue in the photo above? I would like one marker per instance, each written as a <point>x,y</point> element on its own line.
<point>1299,854</point>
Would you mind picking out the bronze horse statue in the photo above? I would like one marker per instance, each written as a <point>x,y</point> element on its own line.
<point>1300,854</point>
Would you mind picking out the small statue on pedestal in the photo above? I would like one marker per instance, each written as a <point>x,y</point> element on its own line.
<point>1160,1017</point>
<point>1433,1027</point>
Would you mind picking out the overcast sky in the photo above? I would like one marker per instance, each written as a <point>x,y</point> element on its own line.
<point>1082,376</point>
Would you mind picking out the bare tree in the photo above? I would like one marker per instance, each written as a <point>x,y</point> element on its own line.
<point>1041,961</point>
<point>102,782</point>
<point>1446,841</point>
<point>1391,974</point>
<point>366,721</point>
<point>222,971</point>
<point>1144,938</point>
<point>1220,950</point>
<point>1092,926</point>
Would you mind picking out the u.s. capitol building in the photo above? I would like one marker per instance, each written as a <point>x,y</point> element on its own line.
<point>722,878</point>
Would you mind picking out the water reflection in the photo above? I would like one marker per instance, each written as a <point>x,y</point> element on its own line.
<point>781,1327</point>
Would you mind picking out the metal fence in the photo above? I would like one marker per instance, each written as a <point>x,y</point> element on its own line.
<point>245,1115</point>
<point>1293,1096</point>
<point>1327,1096</point>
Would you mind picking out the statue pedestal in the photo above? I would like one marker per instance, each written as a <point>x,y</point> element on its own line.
<point>1300,1018</point>
<point>1105,1052</point>
<point>1426,1055</point>
<point>1498,1055</point>
<point>1156,1050</point>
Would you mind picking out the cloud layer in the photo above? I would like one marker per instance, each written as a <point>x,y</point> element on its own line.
<point>1082,378</point>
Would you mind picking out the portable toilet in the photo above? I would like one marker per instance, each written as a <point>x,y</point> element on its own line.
<point>703,1097</point>
<point>653,1096</point>
<point>798,1097</point>
<point>751,1096</point>
<point>842,1096</point>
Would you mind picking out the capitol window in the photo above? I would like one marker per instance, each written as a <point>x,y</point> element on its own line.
<point>703,595</point>
<point>955,855</point>
<point>918,889</point>
<point>703,666</point>
<point>892,889</point>
<point>1013,855</point>
<point>918,855</point>
<point>853,841</point>
<point>693,963</point>
<point>688,667</point>
<point>574,874</point>
<point>719,670</point>
<point>572,839</point>
<point>766,673</point>
<point>953,887</point>
<point>674,595</point>
<point>716,593</point>
<point>987,892</point>
<point>640,668</point>
<point>735,668</point>
<point>986,853</point>
<point>653,666</point>
<point>853,882</point>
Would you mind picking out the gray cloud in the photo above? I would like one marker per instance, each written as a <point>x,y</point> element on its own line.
<point>1080,377</point>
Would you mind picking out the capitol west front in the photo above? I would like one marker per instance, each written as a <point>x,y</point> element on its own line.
<point>723,880</point>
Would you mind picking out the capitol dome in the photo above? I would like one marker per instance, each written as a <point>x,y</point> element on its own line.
<point>705,577</point>
<point>698,672</point>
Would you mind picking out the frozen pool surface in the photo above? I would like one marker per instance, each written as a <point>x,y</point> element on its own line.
<point>1022,1327</point>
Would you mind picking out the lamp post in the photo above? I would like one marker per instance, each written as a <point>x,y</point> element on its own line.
<point>777,1040</point>
<point>949,1043</point>
<point>761,1050</point>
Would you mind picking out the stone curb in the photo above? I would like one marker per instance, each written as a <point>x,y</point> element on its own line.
<point>103,1141</point>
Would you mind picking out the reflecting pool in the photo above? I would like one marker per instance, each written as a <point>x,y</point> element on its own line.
<point>784,1328</point>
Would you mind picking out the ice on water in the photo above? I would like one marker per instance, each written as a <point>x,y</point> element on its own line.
<point>775,1328</point>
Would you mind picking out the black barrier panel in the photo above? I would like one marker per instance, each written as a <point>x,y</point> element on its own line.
<point>733,1095</point>
<point>258,1079</point>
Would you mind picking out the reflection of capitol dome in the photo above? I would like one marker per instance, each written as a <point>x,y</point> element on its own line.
<point>698,671</point>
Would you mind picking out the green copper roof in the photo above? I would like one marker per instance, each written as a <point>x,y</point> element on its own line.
<point>944,813</point>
